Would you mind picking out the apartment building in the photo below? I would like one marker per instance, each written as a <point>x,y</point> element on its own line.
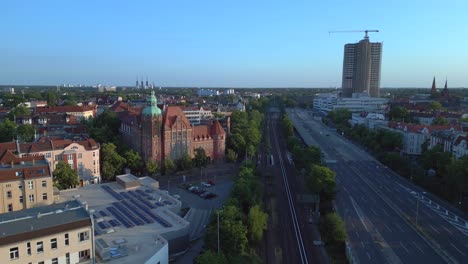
<point>60,233</point>
<point>196,114</point>
<point>81,153</point>
<point>81,112</point>
<point>24,182</point>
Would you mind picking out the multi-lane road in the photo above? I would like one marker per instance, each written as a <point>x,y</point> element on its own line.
<point>387,218</point>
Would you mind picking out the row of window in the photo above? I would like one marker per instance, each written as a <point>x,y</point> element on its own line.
<point>15,253</point>
<point>30,184</point>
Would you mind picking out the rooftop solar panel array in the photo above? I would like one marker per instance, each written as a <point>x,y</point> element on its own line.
<point>132,209</point>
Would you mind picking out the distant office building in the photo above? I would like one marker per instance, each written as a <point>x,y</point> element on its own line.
<point>229,91</point>
<point>207,92</point>
<point>57,233</point>
<point>361,68</point>
<point>360,102</point>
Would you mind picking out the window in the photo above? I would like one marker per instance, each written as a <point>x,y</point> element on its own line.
<point>67,258</point>
<point>70,157</point>
<point>19,173</point>
<point>55,261</point>
<point>31,198</point>
<point>84,254</point>
<point>80,155</point>
<point>40,262</point>
<point>82,236</point>
<point>53,243</point>
<point>14,253</point>
<point>9,194</point>
<point>47,155</point>
<point>20,185</point>
<point>44,196</point>
<point>10,207</point>
<point>58,157</point>
<point>21,199</point>
<point>28,248</point>
<point>94,154</point>
<point>8,185</point>
<point>30,185</point>
<point>67,242</point>
<point>40,247</point>
<point>44,183</point>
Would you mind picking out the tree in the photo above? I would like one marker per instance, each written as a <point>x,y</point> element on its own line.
<point>133,160</point>
<point>458,171</point>
<point>105,127</point>
<point>398,113</point>
<point>305,157</point>
<point>51,99</point>
<point>200,159</point>
<point>210,257</point>
<point>231,156</point>
<point>25,132</point>
<point>7,130</point>
<point>257,223</point>
<point>168,165</point>
<point>18,111</point>
<point>185,162</point>
<point>237,142</point>
<point>333,227</point>
<point>112,162</point>
<point>434,106</point>
<point>320,179</point>
<point>233,233</point>
<point>151,167</point>
<point>440,121</point>
<point>64,176</point>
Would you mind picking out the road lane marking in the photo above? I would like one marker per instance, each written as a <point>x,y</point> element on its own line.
<point>368,255</point>
<point>450,232</point>
<point>388,227</point>
<point>357,234</point>
<point>385,212</point>
<point>416,246</point>
<point>362,243</point>
<point>403,246</point>
<point>399,227</point>
<point>457,249</point>
<point>433,228</point>
<point>373,211</point>
<point>358,211</point>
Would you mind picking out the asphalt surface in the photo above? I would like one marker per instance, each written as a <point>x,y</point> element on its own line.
<point>387,218</point>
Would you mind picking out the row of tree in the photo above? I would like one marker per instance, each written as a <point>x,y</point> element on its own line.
<point>321,181</point>
<point>242,222</point>
<point>245,134</point>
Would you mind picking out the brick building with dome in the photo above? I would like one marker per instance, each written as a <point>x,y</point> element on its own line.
<point>158,133</point>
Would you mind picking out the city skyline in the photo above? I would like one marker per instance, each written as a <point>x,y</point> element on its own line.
<point>241,44</point>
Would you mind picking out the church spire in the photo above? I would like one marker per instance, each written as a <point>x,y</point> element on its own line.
<point>433,89</point>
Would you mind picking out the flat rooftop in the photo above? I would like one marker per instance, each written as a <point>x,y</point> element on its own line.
<point>43,217</point>
<point>132,219</point>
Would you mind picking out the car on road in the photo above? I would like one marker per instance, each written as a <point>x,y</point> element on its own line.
<point>318,243</point>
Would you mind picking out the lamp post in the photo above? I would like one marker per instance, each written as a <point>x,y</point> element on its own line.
<point>217,212</point>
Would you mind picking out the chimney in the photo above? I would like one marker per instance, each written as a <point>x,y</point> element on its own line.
<point>18,150</point>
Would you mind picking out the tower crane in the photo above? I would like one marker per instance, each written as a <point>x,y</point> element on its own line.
<point>352,31</point>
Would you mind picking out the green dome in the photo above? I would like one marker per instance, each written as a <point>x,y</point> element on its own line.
<point>151,107</point>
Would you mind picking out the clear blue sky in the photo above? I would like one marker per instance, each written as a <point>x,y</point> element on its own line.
<point>228,43</point>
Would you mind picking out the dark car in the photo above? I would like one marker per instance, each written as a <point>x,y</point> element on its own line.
<point>211,182</point>
<point>210,196</point>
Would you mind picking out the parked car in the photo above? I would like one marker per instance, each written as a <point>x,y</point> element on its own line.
<point>205,184</point>
<point>211,182</point>
<point>204,194</point>
<point>177,196</point>
<point>210,196</point>
<point>192,188</point>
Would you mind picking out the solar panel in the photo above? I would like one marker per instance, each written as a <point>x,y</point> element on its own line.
<point>103,213</point>
<point>138,212</point>
<point>112,192</point>
<point>128,214</point>
<point>119,216</point>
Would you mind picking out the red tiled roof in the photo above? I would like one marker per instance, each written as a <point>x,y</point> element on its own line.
<point>171,114</point>
<point>64,109</point>
<point>217,129</point>
<point>201,132</point>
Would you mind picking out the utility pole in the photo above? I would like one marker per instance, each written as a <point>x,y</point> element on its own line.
<point>218,231</point>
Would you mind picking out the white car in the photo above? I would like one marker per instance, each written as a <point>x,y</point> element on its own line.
<point>177,196</point>
<point>205,184</point>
